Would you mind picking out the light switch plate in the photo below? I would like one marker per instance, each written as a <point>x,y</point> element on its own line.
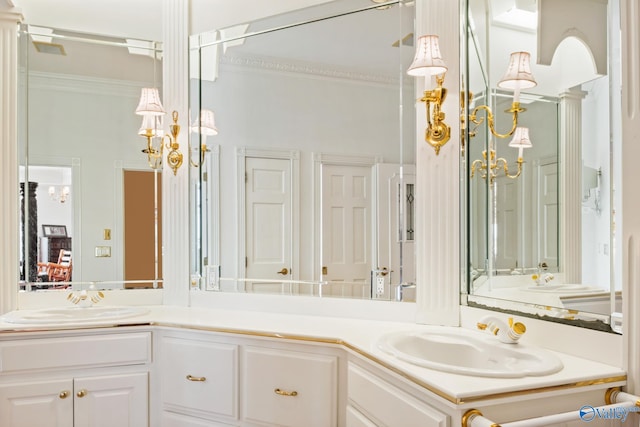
<point>103,251</point>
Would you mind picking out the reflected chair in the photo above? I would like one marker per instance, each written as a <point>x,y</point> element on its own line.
<point>61,271</point>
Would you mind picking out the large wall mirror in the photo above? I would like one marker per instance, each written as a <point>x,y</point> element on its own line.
<point>90,204</point>
<point>541,235</point>
<point>306,186</point>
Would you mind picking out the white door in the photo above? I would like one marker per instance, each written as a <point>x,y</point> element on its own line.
<point>395,225</point>
<point>548,214</point>
<point>38,403</point>
<point>346,229</point>
<point>506,234</point>
<point>116,400</point>
<point>268,225</point>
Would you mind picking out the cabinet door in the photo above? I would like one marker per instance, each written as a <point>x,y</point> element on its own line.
<point>199,377</point>
<point>38,403</point>
<point>114,400</point>
<point>289,388</point>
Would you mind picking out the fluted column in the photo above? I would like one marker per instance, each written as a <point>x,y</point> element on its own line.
<point>175,189</point>
<point>571,184</point>
<point>437,178</point>
<point>629,220</point>
<point>10,17</point>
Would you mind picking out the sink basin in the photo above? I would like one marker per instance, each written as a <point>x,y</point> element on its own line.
<point>72,314</point>
<point>469,353</point>
<point>564,288</point>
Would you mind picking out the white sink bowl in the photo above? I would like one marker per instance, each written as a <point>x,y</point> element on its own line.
<point>72,314</point>
<point>466,352</point>
<point>564,288</point>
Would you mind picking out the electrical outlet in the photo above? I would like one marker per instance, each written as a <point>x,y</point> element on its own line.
<point>379,285</point>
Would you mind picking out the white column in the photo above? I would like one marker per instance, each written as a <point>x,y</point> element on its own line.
<point>438,179</point>
<point>571,184</point>
<point>629,217</point>
<point>10,17</point>
<point>175,189</point>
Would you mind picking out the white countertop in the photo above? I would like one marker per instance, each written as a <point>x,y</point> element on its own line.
<point>355,335</point>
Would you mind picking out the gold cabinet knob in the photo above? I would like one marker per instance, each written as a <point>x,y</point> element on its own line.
<point>64,394</point>
<point>196,379</point>
<point>285,393</point>
<point>81,393</point>
<point>284,271</point>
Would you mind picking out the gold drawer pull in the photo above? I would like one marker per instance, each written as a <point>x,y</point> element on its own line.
<point>285,393</point>
<point>81,393</point>
<point>196,379</point>
<point>63,394</point>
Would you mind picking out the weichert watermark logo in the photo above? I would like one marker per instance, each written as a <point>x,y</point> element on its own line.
<point>589,413</point>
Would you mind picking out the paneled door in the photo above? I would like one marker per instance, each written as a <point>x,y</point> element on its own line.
<point>548,214</point>
<point>395,224</point>
<point>268,224</point>
<point>506,233</point>
<point>346,229</point>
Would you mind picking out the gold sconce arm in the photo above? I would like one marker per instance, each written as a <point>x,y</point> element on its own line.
<point>514,110</point>
<point>505,167</point>
<point>202,152</point>
<point>491,166</point>
<point>437,132</point>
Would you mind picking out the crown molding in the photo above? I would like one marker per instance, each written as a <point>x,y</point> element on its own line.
<point>315,70</point>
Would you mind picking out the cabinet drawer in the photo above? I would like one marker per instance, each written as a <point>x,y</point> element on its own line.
<point>387,405</point>
<point>169,419</point>
<point>75,352</point>
<point>289,388</point>
<point>356,419</point>
<point>199,377</point>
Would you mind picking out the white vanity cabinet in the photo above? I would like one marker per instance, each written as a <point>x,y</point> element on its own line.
<point>198,379</point>
<point>75,379</point>
<point>375,402</point>
<point>211,379</point>
<point>289,388</point>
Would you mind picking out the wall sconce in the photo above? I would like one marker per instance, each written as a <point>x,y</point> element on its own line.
<point>517,77</point>
<point>428,62</point>
<point>204,126</point>
<point>489,165</point>
<point>150,107</point>
<point>59,196</point>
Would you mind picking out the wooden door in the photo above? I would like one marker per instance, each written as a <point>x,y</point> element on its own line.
<point>346,229</point>
<point>268,224</point>
<point>142,249</point>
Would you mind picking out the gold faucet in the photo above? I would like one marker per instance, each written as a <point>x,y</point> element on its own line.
<point>507,334</point>
<point>83,299</point>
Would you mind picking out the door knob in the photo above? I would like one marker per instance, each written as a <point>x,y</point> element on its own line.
<point>81,393</point>
<point>284,271</point>
<point>384,271</point>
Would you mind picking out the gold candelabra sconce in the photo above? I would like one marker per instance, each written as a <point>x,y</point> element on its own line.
<point>150,107</point>
<point>426,63</point>
<point>517,77</point>
<point>204,126</point>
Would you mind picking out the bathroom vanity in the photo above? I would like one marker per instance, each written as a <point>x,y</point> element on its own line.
<point>196,367</point>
